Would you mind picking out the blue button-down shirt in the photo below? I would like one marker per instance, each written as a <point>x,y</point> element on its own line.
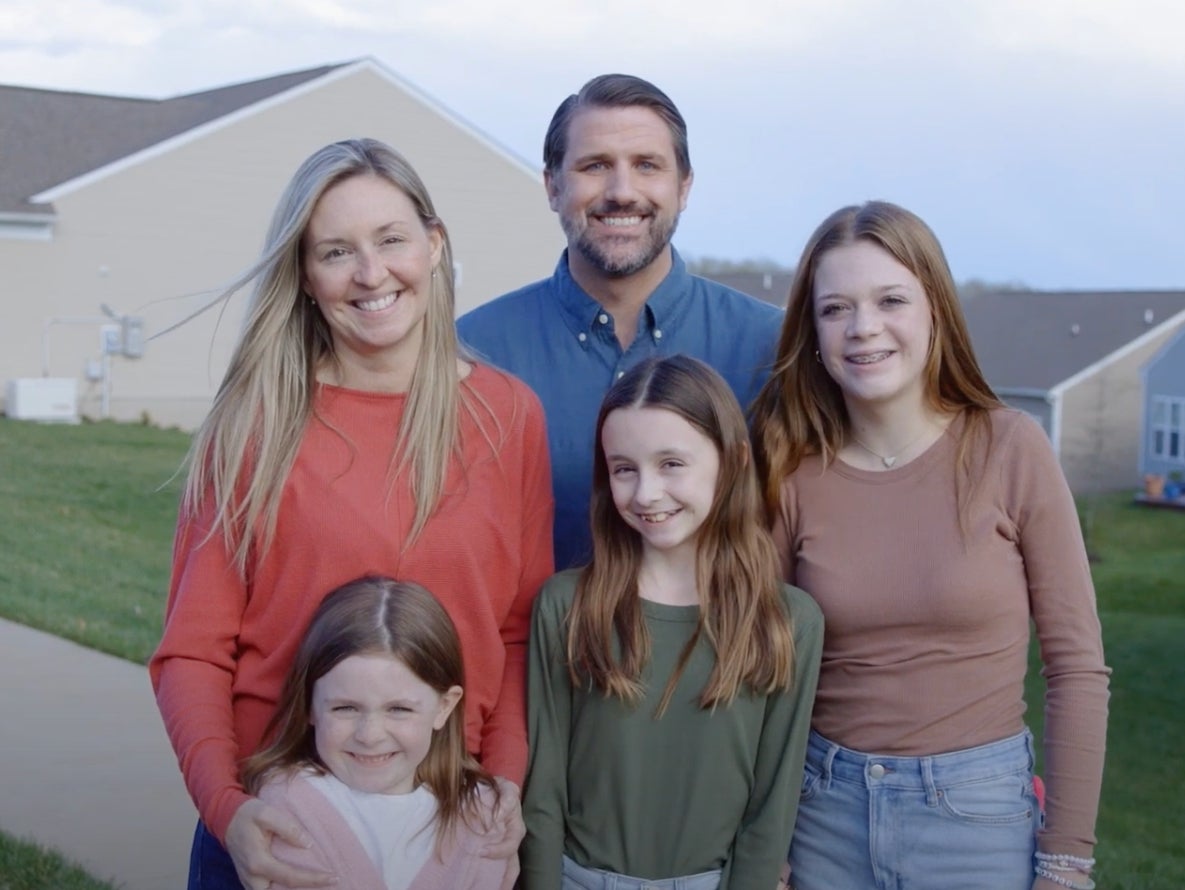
<point>562,343</point>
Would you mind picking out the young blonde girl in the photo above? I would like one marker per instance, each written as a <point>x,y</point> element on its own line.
<point>368,748</point>
<point>670,681</point>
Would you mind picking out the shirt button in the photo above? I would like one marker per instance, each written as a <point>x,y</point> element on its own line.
<point>603,318</point>
<point>582,336</point>
<point>876,771</point>
<point>620,374</point>
<point>658,335</point>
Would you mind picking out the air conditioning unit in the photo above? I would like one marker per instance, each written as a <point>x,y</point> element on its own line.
<point>52,399</point>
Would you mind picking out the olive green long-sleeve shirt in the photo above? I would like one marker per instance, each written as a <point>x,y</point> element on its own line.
<point>616,789</point>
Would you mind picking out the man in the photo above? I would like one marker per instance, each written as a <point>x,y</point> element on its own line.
<point>617,172</point>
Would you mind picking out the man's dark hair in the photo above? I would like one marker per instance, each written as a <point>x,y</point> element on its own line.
<point>615,91</point>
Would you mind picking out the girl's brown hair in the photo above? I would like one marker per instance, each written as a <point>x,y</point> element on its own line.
<point>741,612</point>
<point>377,615</point>
<point>800,410</point>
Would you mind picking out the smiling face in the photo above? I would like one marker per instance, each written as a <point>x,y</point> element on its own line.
<point>373,721</point>
<point>367,262</point>
<point>873,322</point>
<point>619,192</point>
<point>662,475</point>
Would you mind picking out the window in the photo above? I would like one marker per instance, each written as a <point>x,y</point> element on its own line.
<point>1167,428</point>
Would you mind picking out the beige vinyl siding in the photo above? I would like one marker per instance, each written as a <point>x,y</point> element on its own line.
<point>172,229</point>
<point>1100,441</point>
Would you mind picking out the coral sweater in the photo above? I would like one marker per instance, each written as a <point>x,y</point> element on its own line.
<point>484,553</point>
<point>927,636</point>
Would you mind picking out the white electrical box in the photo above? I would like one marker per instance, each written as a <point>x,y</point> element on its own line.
<point>52,399</point>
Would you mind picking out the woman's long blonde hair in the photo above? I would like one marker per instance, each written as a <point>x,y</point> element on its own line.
<point>800,411</point>
<point>375,615</point>
<point>245,447</point>
<point>741,611</point>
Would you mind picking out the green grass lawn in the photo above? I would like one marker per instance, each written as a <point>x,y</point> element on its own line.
<point>1139,576</point>
<point>87,527</point>
<point>27,866</point>
<point>86,530</point>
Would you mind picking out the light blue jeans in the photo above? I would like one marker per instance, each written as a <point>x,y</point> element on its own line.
<point>577,877</point>
<point>967,819</point>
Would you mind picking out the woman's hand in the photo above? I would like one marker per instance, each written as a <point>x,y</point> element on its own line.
<point>249,843</point>
<point>509,828</point>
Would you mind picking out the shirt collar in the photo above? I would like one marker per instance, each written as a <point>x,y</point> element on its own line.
<point>662,306</point>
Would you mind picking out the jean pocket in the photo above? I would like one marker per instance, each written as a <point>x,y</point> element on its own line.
<point>812,781</point>
<point>999,800</point>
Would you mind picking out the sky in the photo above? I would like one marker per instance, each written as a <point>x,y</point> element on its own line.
<point>1042,140</point>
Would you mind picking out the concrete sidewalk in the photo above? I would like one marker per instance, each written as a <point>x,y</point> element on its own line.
<point>85,766</point>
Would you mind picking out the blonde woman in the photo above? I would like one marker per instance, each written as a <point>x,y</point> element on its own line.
<point>348,437</point>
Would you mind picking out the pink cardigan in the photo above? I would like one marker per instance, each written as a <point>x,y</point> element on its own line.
<point>336,849</point>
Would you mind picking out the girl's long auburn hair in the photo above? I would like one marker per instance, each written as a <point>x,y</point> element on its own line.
<point>741,611</point>
<point>375,615</point>
<point>800,411</point>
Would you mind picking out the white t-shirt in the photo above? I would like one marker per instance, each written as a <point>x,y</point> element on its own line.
<point>398,831</point>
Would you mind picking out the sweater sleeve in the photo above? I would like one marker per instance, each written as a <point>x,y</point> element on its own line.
<point>192,670</point>
<point>549,699</point>
<point>1062,602</point>
<point>504,736</point>
<point>763,839</point>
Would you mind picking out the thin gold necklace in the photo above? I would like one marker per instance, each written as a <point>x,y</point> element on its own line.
<point>890,459</point>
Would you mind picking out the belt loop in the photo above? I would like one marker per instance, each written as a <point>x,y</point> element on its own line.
<point>832,750</point>
<point>928,781</point>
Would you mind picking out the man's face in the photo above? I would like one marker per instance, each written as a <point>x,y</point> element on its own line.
<point>619,192</point>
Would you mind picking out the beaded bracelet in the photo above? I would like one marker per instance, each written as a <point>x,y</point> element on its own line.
<point>1042,872</point>
<point>1063,861</point>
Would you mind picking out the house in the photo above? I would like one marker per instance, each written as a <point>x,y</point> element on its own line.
<point>772,286</point>
<point>1162,443</point>
<point>1073,360</point>
<point>116,207</point>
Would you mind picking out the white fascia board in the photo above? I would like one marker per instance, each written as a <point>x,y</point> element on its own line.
<point>1119,353</point>
<point>1055,425</point>
<point>199,132</point>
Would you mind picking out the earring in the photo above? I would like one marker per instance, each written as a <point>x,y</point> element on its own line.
<point>818,357</point>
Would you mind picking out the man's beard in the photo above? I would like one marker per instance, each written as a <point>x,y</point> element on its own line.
<point>614,263</point>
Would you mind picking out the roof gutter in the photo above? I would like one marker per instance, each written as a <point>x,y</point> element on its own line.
<point>27,226</point>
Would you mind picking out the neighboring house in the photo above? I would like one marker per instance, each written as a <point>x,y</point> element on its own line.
<point>773,287</point>
<point>153,206</point>
<point>1162,447</point>
<point>1073,360</point>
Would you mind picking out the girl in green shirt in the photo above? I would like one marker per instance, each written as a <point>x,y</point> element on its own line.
<point>671,679</point>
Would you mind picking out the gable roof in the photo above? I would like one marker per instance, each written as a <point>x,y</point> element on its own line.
<point>1043,340</point>
<point>50,136</point>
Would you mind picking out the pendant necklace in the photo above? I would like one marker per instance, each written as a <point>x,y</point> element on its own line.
<point>890,459</point>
